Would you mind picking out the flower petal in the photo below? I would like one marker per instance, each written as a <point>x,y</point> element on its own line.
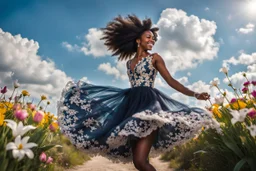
<point>15,153</point>
<point>21,154</point>
<point>29,145</point>
<point>26,129</point>
<point>10,146</point>
<point>17,140</point>
<point>29,153</point>
<point>25,140</point>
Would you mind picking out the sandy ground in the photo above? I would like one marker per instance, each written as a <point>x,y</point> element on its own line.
<point>102,164</point>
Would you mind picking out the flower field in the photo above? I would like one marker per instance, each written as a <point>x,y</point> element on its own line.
<point>235,148</point>
<point>30,136</point>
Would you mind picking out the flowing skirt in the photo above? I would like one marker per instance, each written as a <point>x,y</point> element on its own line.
<point>106,120</point>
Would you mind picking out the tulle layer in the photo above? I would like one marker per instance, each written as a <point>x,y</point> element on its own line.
<point>106,120</point>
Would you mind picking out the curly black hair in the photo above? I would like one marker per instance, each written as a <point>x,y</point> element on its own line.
<point>120,35</point>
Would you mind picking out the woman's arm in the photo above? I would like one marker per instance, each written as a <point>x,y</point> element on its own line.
<point>160,66</point>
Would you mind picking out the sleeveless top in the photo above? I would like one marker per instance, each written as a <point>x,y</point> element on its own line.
<point>144,73</point>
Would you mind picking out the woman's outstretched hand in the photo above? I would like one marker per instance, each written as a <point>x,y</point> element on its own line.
<point>202,96</point>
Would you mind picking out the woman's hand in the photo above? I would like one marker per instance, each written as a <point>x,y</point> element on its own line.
<point>202,96</point>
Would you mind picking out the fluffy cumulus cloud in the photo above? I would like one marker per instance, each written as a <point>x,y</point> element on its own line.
<point>248,60</point>
<point>185,41</point>
<point>245,59</point>
<point>199,87</point>
<point>247,29</point>
<point>19,60</point>
<point>92,44</point>
<point>118,71</point>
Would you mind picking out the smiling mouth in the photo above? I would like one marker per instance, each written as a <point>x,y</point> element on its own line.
<point>150,44</point>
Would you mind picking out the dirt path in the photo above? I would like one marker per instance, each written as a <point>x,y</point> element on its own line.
<point>102,164</point>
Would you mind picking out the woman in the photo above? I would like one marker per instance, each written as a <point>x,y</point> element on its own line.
<point>127,124</point>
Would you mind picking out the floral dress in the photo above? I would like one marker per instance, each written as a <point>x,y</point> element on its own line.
<point>106,120</point>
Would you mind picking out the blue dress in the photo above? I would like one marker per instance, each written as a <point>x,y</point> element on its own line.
<point>106,120</point>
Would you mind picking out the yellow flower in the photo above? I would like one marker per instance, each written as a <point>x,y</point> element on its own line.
<point>216,111</point>
<point>43,97</point>
<point>203,128</point>
<point>25,93</point>
<point>48,102</point>
<point>239,104</point>
<point>1,119</point>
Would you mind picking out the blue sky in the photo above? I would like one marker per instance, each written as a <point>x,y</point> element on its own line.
<point>63,38</point>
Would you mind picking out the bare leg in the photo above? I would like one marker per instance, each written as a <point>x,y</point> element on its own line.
<point>141,151</point>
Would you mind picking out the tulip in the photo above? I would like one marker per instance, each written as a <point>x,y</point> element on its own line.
<point>245,90</point>
<point>254,83</point>
<point>21,114</point>
<point>233,100</point>
<point>49,160</point>
<point>253,93</point>
<point>53,126</point>
<point>16,84</point>
<point>247,83</point>
<point>16,106</point>
<point>224,70</point>
<point>32,106</point>
<point>252,113</point>
<point>215,82</point>
<point>38,116</point>
<point>42,157</point>
<point>4,90</point>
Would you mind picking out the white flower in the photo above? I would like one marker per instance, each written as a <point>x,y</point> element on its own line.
<point>215,82</point>
<point>16,84</point>
<point>18,129</point>
<point>219,100</point>
<point>238,115</point>
<point>252,130</point>
<point>20,147</point>
<point>224,70</point>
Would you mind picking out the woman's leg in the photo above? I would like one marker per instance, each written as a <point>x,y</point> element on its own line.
<point>140,152</point>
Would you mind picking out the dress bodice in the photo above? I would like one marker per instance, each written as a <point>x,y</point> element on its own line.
<point>144,73</point>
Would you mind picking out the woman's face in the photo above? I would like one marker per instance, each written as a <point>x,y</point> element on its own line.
<point>147,40</point>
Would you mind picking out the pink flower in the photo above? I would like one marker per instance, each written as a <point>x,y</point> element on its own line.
<point>49,160</point>
<point>53,126</point>
<point>4,90</point>
<point>245,90</point>
<point>21,114</point>
<point>233,100</point>
<point>38,116</point>
<point>42,157</point>
<point>253,93</point>
<point>32,106</point>
<point>252,113</point>
<point>247,83</point>
<point>16,106</point>
<point>254,83</point>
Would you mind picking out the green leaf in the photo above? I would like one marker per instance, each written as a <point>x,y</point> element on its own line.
<point>240,164</point>
<point>233,146</point>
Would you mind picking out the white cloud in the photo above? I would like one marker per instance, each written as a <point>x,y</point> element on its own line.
<point>248,29</point>
<point>207,9</point>
<point>199,87</point>
<point>160,83</point>
<point>69,47</point>
<point>185,41</point>
<point>183,80</point>
<point>19,56</point>
<point>244,59</point>
<point>91,46</point>
<point>189,74</point>
<point>119,71</point>
<point>94,45</point>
